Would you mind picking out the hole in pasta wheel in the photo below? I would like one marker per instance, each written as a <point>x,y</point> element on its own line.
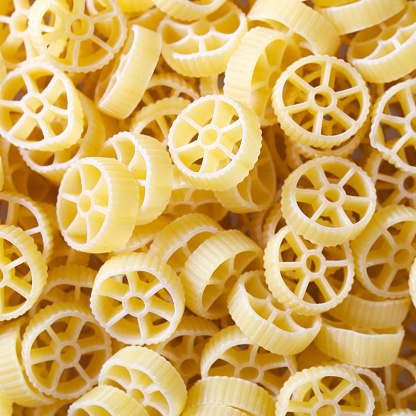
<point>402,256</point>
<point>84,203</point>
<point>34,104</point>
<point>332,194</point>
<point>135,305</point>
<point>313,263</point>
<point>249,373</point>
<point>326,410</point>
<point>409,183</point>
<point>413,124</point>
<point>208,136</point>
<point>323,99</point>
<point>68,354</point>
<point>189,366</point>
<point>19,22</point>
<point>80,27</point>
<point>388,33</point>
<point>201,29</point>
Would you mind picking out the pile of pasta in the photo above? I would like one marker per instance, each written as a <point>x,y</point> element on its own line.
<point>207,208</point>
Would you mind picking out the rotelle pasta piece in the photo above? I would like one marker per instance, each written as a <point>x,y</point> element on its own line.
<point>227,145</point>
<point>203,48</point>
<point>214,409</point>
<point>213,268</point>
<point>383,53</point>
<point>97,205</point>
<point>412,283</point>
<point>150,165</point>
<point>358,15</point>
<point>329,389</point>
<point>73,37</point>
<point>295,267</point>
<point>231,353</point>
<point>362,347</point>
<point>308,27</point>
<point>385,250</point>
<point>273,222</point>
<point>321,101</point>
<point>119,89</point>
<point>47,116</point>
<point>6,405</point>
<point>253,68</point>
<point>106,400</point>
<point>399,412</point>
<point>63,349</point>
<point>147,377</point>
<point>264,320</point>
<point>138,299</point>
<point>231,392</point>
<point>328,200</point>
<point>188,10</point>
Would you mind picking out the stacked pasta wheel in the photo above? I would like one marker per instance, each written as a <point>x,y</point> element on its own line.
<point>207,207</point>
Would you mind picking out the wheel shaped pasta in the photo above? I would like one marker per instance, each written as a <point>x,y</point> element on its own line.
<point>147,377</point>
<point>385,250</point>
<point>328,200</point>
<point>267,322</point>
<point>203,48</point>
<point>188,10</point>
<point>213,268</point>
<point>40,108</point>
<point>137,299</point>
<point>63,350</point>
<point>214,409</point>
<point>325,390</point>
<point>97,205</point>
<point>73,37</point>
<point>295,267</point>
<point>321,101</point>
<point>215,142</point>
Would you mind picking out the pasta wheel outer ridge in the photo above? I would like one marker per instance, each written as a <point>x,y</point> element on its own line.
<point>359,346</point>
<point>188,10</point>
<point>352,191</point>
<point>108,399</point>
<point>231,392</point>
<point>220,123</point>
<point>313,263</point>
<point>399,412</point>
<point>149,373</point>
<point>310,382</point>
<point>163,296</point>
<point>360,15</point>
<point>63,350</point>
<point>119,89</point>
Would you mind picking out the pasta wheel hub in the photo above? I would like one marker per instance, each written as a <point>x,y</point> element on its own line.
<point>314,263</point>
<point>80,27</point>
<point>323,98</point>
<point>19,21</point>
<point>68,356</point>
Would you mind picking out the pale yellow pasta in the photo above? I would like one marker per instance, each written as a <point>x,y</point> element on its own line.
<point>6,405</point>
<point>399,412</point>
<point>137,299</point>
<point>63,349</point>
<point>188,10</point>
<point>273,222</point>
<point>214,409</point>
<point>147,377</point>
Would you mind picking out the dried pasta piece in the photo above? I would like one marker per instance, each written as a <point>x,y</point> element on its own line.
<point>120,88</point>
<point>214,409</point>
<point>399,379</point>
<point>362,347</point>
<point>212,269</point>
<point>184,347</point>
<point>63,350</point>
<point>178,240</point>
<point>53,165</point>
<point>14,382</point>
<point>147,377</point>
<point>40,108</point>
<point>6,405</point>
<point>31,217</point>
<point>267,322</point>
<point>412,282</point>
<point>67,283</point>
<point>399,412</point>
<point>273,222</point>
<point>215,142</point>
<point>23,272</point>
<point>137,299</point>
<point>78,36</point>
<point>295,267</point>
<point>150,165</point>
<point>392,128</point>
<point>384,251</point>
<point>231,353</point>
<point>366,310</point>
<point>213,84</point>
<point>256,191</point>
<point>232,392</point>
<point>308,28</point>
<point>383,53</point>
<point>323,390</point>
<point>358,15</point>
<point>262,55</point>
<point>187,198</point>
<point>97,205</point>
<point>312,356</point>
<point>203,48</point>
<point>321,101</point>
<point>106,400</point>
<point>328,200</point>
<point>188,10</point>
<point>156,119</point>
<point>59,408</point>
